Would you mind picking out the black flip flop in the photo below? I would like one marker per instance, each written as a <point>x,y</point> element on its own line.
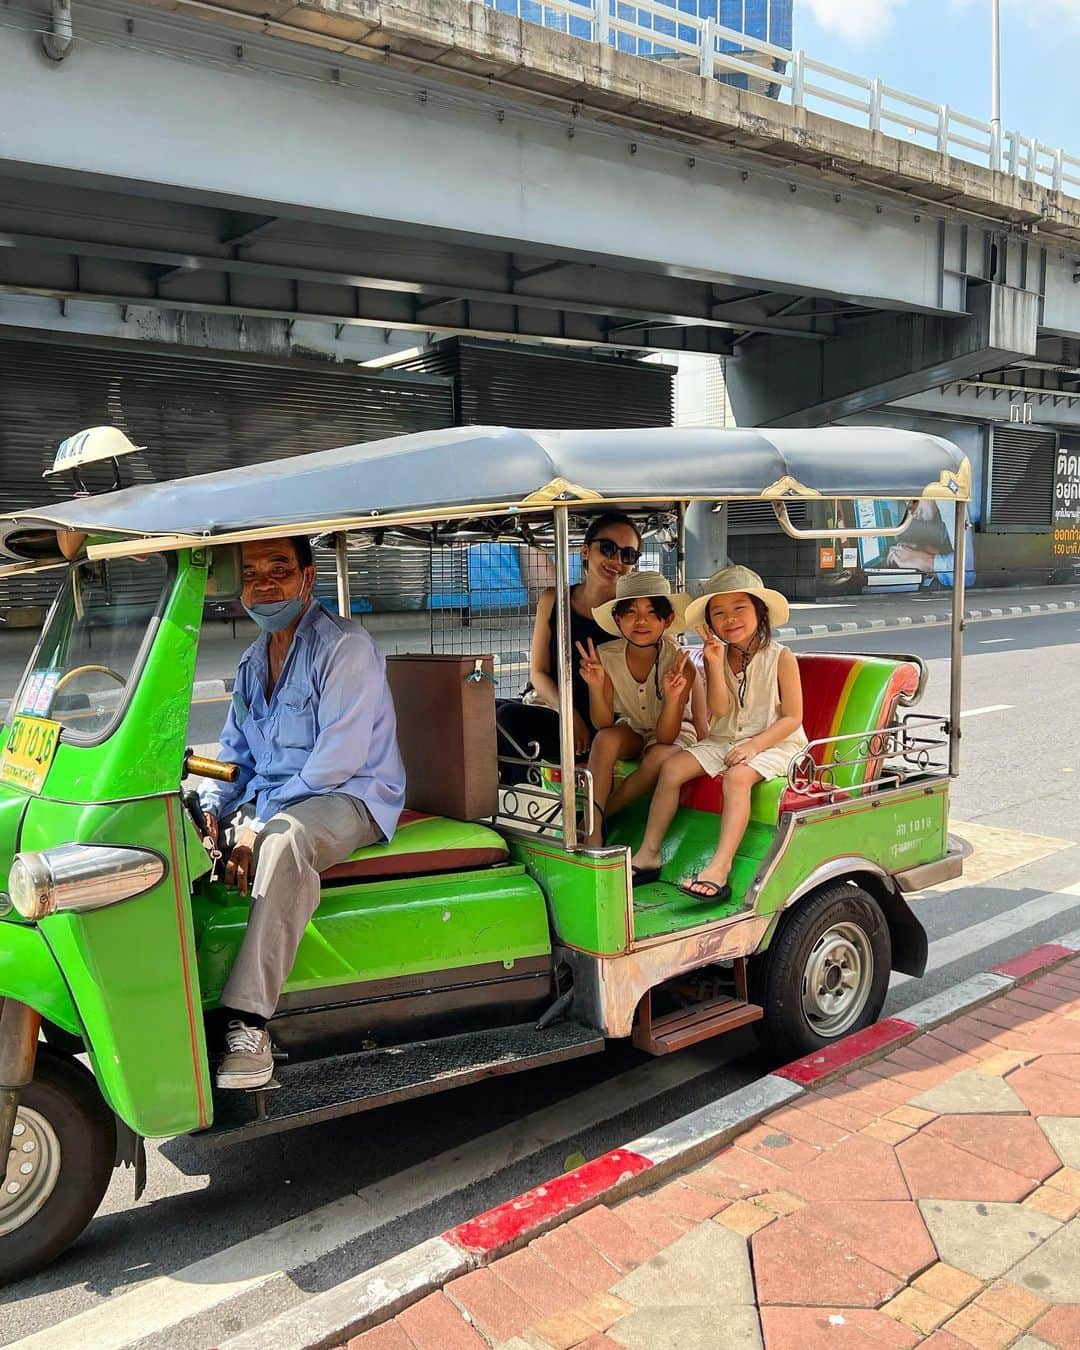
<point>715,896</point>
<point>643,876</point>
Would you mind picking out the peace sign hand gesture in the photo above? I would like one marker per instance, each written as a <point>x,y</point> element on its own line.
<point>592,672</point>
<point>714,650</point>
<point>677,680</point>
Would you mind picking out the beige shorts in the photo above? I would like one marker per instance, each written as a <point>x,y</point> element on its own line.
<point>683,741</point>
<point>771,763</point>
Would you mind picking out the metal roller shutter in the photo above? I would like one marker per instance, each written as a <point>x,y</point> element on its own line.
<point>1021,478</point>
<point>499,385</point>
<point>195,414</point>
<point>760,518</point>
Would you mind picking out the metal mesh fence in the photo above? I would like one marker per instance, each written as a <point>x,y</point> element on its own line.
<point>482,598</point>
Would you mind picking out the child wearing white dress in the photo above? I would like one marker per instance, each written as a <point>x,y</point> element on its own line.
<point>641,690</point>
<point>755,697</point>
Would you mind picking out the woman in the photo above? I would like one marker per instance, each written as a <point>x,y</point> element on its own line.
<point>610,549</point>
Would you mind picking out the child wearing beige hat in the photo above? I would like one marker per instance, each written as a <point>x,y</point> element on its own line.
<point>641,690</point>
<point>755,697</point>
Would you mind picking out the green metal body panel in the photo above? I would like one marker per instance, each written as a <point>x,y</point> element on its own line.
<point>29,973</point>
<point>893,830</point>
<point>131,968</point>
<point>586,896</point>
<point>377,930</point>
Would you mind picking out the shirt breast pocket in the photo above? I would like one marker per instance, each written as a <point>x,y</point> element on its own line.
<point>296,722</point>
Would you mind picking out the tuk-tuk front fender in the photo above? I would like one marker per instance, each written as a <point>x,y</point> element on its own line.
<point>30,974</point>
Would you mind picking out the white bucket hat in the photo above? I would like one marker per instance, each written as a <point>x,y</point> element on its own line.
<point>729,581</point>
<point>642,586</point>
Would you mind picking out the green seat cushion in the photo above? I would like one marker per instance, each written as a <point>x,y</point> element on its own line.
<point>423,844</point>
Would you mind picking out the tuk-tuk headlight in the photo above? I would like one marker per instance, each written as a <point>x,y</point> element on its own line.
<point>80,877</point>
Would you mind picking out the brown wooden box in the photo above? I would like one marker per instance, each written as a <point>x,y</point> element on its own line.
<point>446,731</point>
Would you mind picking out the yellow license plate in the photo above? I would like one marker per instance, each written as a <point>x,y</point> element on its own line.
<point>31,745</point>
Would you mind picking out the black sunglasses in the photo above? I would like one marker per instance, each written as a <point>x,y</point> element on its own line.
<point>610,549</point>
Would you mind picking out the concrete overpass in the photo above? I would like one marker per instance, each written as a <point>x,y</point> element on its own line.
<point>333,176</point>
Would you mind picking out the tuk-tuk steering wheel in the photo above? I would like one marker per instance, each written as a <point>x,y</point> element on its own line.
<point>81,670</point>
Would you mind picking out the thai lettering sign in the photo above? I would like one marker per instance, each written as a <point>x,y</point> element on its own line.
<point>1066,513</point>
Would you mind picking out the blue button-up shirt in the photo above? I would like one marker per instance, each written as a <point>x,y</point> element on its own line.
<point>328,726</point>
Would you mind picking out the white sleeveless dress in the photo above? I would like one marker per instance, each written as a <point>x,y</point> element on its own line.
<point>638,706</point>
<point>760,709</point>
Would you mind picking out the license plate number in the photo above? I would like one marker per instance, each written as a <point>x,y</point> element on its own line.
<point>31,745</point>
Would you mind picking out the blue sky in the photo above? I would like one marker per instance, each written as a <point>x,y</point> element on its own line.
<point>940,50</point>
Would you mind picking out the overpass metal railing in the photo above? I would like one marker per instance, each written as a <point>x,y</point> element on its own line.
<point>657,31</point>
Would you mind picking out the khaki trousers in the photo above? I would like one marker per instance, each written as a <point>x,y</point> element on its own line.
<point>295,846</point>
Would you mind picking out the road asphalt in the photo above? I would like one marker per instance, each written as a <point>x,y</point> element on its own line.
<point>211,1234</point>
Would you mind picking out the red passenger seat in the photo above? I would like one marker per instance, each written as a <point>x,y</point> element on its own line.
<point>842,695</point>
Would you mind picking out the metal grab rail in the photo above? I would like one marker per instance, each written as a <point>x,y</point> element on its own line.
<point>863,532</point>
<point>949,131</point>
<point>911,741</point>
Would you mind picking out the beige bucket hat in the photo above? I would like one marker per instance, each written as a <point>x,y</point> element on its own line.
<point>729,580</point>
<point>642,586</point>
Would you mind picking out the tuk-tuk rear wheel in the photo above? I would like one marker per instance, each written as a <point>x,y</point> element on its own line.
<point>825,973</point>
<point>66,1135</point>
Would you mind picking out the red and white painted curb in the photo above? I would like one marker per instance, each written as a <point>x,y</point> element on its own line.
<point>360,1303</point>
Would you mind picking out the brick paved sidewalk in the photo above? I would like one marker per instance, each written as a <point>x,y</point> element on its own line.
<point>931,1198</point>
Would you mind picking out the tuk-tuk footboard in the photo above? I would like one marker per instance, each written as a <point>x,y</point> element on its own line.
<point>347,1084</point>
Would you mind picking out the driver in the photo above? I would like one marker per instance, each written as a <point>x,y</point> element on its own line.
<point>313,732</point>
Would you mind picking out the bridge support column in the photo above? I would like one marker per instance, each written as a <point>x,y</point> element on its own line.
<point>780,383</point>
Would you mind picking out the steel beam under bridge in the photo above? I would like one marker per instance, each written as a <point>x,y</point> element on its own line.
<point>153,104</point>
<point>880,359</point>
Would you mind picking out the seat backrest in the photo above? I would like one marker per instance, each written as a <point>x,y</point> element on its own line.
<point>852,695</point>
<point>446,733</point>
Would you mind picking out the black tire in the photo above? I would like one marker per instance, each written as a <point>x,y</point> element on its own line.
<point>787,1030</point>
<point>64,1096</point>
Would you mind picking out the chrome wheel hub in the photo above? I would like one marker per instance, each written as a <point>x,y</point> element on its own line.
<point>33,1167</point>
<point>837,978</point>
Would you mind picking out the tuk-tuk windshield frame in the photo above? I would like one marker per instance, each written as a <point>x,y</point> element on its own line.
<point>102,625</point>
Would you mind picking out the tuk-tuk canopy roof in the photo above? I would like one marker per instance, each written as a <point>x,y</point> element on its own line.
<point>461,472</point>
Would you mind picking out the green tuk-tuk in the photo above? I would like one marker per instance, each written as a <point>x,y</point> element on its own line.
<point>466,946</point>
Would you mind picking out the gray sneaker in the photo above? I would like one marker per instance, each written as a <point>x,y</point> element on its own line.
<point>248,1062</point>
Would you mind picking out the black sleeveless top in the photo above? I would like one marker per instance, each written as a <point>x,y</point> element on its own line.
<point>581,630</point>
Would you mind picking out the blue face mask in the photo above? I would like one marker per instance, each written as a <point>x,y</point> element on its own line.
<point>276,615</point>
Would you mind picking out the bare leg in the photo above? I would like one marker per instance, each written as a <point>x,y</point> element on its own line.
<point>609,745</point>
<point>643,778</point>
<point>738,780</point>
<point>676,770</point>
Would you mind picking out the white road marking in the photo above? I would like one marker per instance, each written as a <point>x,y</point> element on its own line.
<point>167,1300</point>
<point>989,642</point>
<point>965,941</point>
<point>990,707</point>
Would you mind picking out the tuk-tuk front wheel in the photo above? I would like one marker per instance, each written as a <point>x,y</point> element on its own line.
<point>58,1166</point>
<point>826,972</point>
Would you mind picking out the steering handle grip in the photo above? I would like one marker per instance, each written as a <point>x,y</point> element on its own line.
<point>206,767</point>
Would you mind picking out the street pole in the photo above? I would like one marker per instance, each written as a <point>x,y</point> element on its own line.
<point>995,84</point>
